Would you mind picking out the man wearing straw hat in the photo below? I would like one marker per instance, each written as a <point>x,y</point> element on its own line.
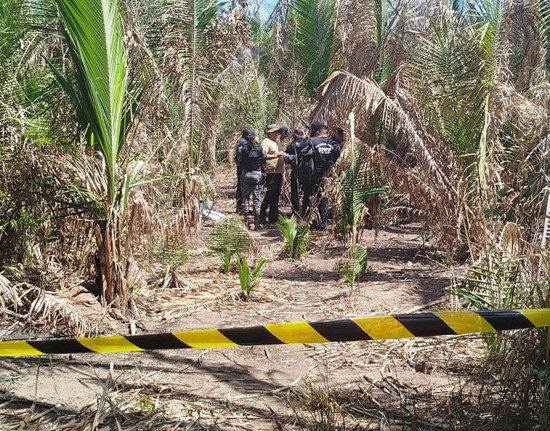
<point>274,169</point>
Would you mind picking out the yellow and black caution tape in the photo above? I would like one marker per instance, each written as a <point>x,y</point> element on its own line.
<point>322,331</point>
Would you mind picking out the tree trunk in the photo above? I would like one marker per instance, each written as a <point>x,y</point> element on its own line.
<point>112,280</point>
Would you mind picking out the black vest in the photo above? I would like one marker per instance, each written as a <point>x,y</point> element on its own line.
<point>252,158</point>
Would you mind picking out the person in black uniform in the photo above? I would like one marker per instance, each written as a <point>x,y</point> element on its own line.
<point>293,151</point>
<point>241,142</point>
<point>326,151</point>
<point>251,158</point>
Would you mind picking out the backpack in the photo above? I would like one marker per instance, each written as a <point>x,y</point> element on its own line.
<point>305,168</point>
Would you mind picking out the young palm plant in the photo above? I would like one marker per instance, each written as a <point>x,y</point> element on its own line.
<point>248,277</point>
<point>97,90</point>
<point>296,234</point>
<point>353,264</point>
<point>228,238</point>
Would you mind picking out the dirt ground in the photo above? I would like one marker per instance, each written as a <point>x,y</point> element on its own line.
<point>374,385</point>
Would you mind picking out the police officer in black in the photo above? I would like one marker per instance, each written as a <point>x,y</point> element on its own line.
<point>326,152</point>
<point>251,157</point>
<point>293,151</point>
<point>241,142</point>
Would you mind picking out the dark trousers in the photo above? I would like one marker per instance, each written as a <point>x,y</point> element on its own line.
<point>273,183</point>
<point>239,192</point>
<point>294,192</point>
<point>310,189</point>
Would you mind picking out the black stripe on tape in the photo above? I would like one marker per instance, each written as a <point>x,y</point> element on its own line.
<point>424,324</point>
<point>506,319</point>
<point>340,330</point>
<point>157,341</point>
<point>250,336</point>
<point>59,346</point>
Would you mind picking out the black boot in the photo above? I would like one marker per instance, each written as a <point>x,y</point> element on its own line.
<point>245,219</point>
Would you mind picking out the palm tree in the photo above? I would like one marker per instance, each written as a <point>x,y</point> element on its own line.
<point>92,31</point>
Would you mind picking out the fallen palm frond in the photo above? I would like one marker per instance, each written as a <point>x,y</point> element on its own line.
<point>37,308</point>
<point>346,92</point>
<point>9,295</point>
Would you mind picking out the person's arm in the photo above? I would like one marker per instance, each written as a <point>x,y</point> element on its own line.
<point>239,155</point>
<point>271,151</point>
<point>336,151</point>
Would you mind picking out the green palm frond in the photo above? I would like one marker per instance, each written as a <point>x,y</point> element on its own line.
<point>357,182</point>
<point>315,44</point>
<point>13,24</point>
<point>249,277</point>
<point>195,17</point>
<point>487,18</point>
<point>229,237</point>
<point>94,35</point>
<point>450,91</point>
<point>353,264</point>
<point>296,234</point>
<point>497,280</point>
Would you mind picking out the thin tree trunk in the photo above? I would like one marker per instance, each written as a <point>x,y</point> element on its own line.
<point>111,277</point>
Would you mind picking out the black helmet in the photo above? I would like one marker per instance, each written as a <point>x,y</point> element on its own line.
<point>249,134</point>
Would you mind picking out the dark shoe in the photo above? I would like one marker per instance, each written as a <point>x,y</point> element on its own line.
<point>315,226</point>
<point>258,226</point>
<point>263,220</point>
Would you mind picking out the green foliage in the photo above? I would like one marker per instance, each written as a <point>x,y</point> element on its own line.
<point>248,96</point>
<point>357,182</point>
<point>353,264</point>
<point>497,280</point>
<point>248,277</point>
<point>227,238</point>
<point>315,40</point>
<point>492,283</point>
<point>98,93</point>
<point>296,234</point>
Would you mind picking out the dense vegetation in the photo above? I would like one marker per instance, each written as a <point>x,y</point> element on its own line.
<point>115,114</point>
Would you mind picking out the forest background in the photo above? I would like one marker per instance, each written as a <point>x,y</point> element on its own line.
<point>116,115</point>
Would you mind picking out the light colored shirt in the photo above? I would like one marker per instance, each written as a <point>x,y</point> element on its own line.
<point>275,164</point>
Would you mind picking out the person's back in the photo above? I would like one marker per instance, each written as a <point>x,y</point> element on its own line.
<point>241,142</point>
<point>252,159</point>
<point>294,150</point>
<point>326,152</point>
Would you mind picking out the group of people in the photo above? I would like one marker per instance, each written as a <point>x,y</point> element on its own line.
<point>264,163</point>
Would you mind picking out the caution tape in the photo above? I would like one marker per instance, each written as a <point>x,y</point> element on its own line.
<point>322,331</point>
